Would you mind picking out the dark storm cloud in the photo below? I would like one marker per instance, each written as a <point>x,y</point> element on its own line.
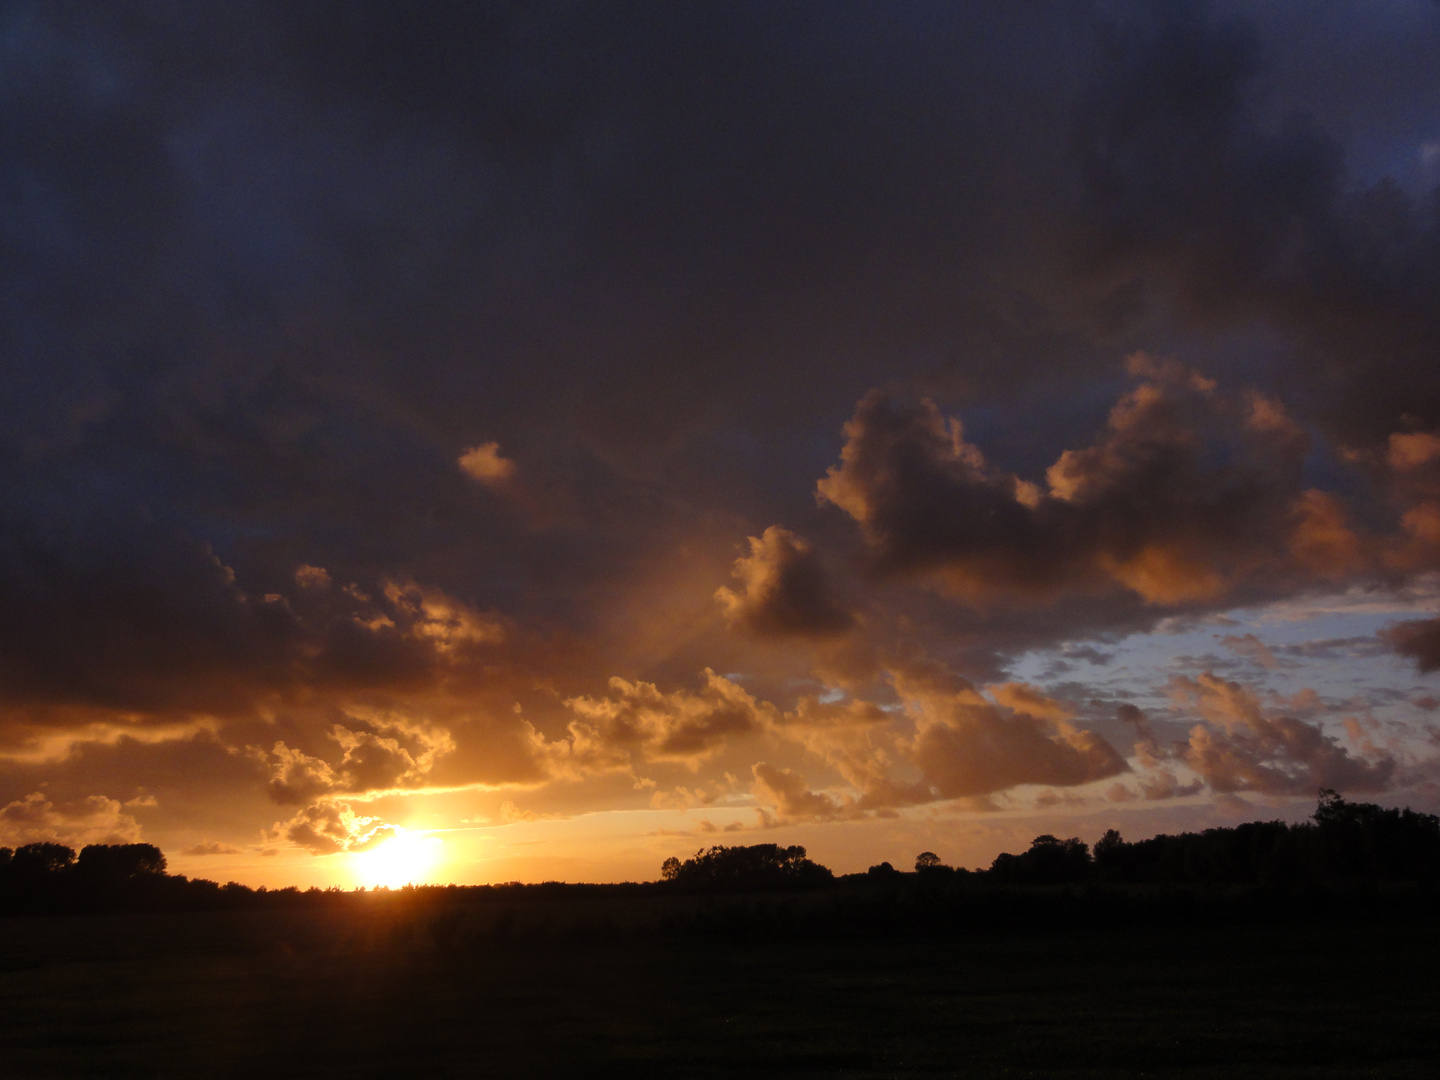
<point>1190,195</point>
<point>1186,495</point>
<point>128,617</point>
<point>437,359</point>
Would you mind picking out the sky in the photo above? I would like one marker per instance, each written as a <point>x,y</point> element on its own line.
<point>527,441</point>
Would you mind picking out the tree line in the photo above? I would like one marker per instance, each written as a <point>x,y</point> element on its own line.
<point>1343,844</point>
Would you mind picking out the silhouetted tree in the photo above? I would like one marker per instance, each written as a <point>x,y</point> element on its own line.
<point>1050,861</point>
<point>43,858</point>
<point>118,862</point>
<point>758,866</point>
<point>1366,841</point>
<point>927,860</point>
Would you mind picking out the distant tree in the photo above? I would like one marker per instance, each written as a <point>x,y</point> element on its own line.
<point>1367,841</point>
<point>927,860</point>
<point>758,866</point>
<point>882,870</point>
<point>1110,856</point>
<point>118,862</point>
<point>47,858</point>
<point>1108,844</point>
<point>1050,861</point>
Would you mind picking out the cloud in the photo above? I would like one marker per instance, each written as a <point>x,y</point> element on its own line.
<point>966,745</point>
<point>792,799</point>
<point>1184,497</point>
<point>312,577</point>
<point>1418,640</point>
<point>278,345</point>
<point>210,847</point>
<point>485,464</point>
<point>1245,747</point>
<point>1022,697</point>
<point>1250,647</point>
<point>786,591</point>
<point>94,819</point>
<point>330,826</point>
<point>397,755</point>
<point>639,722</point>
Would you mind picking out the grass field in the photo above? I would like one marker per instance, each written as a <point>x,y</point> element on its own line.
<point>382,990</point>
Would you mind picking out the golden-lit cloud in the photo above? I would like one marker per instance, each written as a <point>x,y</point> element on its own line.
<point>210,847</point>
<point>330,826</point>
<point>95,819</point>
<point>966,746</point>
<point>486,464</point>
<point>638,722</point>
<point>785,590</point>
<point>1185,496</point>
<point>395,755</point>
<point>791,799</point>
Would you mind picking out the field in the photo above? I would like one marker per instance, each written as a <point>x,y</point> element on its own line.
<point>386,989</point>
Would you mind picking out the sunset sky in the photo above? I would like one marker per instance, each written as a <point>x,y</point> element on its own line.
<point>471,442</point>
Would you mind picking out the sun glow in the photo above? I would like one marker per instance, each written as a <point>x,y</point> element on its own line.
<point>405,859</point>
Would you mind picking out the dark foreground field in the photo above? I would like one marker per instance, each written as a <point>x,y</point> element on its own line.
<point>380,989</point>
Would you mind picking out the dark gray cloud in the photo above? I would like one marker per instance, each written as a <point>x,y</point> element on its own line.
<point>371,366</point>
<point>1417,640</point>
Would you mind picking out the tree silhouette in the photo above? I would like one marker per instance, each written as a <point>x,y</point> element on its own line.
<point>927,860</point>
<point>1050,861</point>
<point>758,866</point>
<point>42,858</point>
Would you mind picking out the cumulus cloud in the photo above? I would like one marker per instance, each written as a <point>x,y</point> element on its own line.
<point>791,798</point>
<point>966,745</point>
<point>312,577</point>
<point>95,819</point>
<point>637,722</point>
<point>397,755</point>
<point>253,362</point>
<point>1186,494</point>
<point>1246,747</point>
<point>330,826</point>
<point>785,592</point>
<point>486,464</point>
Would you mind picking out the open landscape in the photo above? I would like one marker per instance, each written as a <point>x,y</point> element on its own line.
<point>723,538</point>
<point>1216,954</point>
<point>530,987</point>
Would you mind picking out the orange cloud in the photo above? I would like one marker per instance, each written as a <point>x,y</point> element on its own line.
<point>1151,506</point>
<point>786,591</point>
<point>486,464</point>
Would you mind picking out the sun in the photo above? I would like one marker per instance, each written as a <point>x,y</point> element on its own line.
<point>405,859</point>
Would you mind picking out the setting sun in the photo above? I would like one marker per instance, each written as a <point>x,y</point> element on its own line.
<point>405,859</point>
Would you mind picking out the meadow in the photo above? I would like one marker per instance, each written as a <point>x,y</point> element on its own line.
<point>440,984</point>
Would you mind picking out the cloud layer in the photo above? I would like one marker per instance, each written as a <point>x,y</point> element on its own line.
<point>815,415</point>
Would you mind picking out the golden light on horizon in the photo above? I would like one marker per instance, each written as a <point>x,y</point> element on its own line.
<point>406,858</point>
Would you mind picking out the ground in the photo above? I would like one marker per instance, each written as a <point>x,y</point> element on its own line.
<point>386,991</point>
